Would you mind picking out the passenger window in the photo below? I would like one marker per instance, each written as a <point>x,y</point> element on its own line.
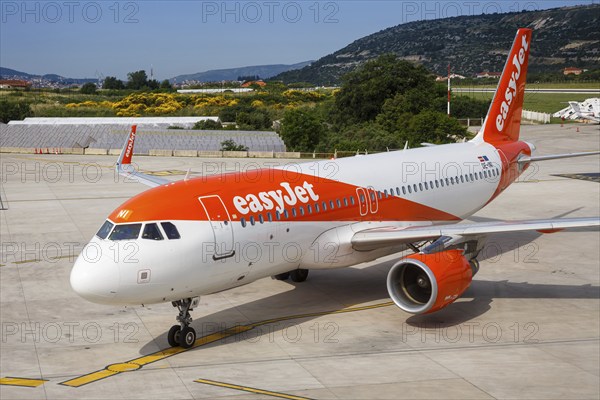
<point>398,191</point>
<point>301,210</point>
<point>270,217</point>
<point>409,189</point>
<point>447,182</point>
<point>415,187</point>
<point>437,183</point>
<point>462,179</point>
<point>345,202</point>
<point>294,212</point>
<point>352,201</point>
<point>317,207</point>
<point>421,187</point>
<point>152,232</point>
<point>126,232</point>
<point>480,175</point>
<point>278,215</point>
<point>339,203</point>
<point>261,219</point>
<point>286,214</point>
<point>243,221</point>
<point>379,194</point>
<point>324,206</point>
<point>252,221</point>
<point>331,206</point>
<point>170,230</point>
<point>309,209</point>
<point>403,190</point>
<point>105,229</point>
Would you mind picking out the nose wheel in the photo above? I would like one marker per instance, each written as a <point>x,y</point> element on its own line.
<point>183,334</point>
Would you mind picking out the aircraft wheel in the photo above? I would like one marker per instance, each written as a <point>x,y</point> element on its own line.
<point>282,277</point>
<point>299,275</point>
<point>174,335</point>
<point>188,337</point>
<point>474,263</point>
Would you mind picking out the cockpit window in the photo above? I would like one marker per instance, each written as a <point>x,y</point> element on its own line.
<point>152,232</point>
<point>170,230</point>
<point>126,232</point>
<point>105,229</point>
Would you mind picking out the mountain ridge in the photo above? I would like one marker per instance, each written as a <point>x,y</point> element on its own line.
<point>9,73</point>
<point>563,37</point>
<point>229,74</point>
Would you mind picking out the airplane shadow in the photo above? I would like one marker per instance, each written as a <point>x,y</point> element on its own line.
<point>331,291</point>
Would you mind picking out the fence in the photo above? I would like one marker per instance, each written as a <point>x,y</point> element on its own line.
<point>536,116</point>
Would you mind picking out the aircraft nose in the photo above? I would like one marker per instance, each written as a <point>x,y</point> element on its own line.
<point>95,280</point>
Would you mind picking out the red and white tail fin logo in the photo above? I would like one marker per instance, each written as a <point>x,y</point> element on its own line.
<point>128,149</point>
<point>503,121</point>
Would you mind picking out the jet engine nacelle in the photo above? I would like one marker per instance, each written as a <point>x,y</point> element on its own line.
<point>424,283</point>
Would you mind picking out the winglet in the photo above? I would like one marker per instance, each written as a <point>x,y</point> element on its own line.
<point>127,152</point>
<point>503,121</point>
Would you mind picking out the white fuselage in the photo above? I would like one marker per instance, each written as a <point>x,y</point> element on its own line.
<point>455,180</point>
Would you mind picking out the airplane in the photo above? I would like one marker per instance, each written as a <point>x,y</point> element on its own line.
<point>181,240</point>
<point>592,113</point>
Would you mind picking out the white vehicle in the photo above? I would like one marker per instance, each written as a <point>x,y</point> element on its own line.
<point>204,235</point>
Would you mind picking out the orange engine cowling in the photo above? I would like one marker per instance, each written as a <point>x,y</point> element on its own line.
<point>424,283</point>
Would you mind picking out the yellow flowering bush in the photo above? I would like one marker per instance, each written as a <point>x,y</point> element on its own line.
<point>214,101</point>
<point>147,103</point>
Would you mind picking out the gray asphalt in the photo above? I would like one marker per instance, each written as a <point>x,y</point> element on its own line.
<point>528,327</point>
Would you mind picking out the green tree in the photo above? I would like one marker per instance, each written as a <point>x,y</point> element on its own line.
<point>365,90</point>
<point>10,111</point>
<point>434,127</point>
<point>88,88</point>
<point>137,80</point>
<point>230,145</point>
<point>112,83</point>
<point>166,85</point>
<point>153,84</point>
<point>301,130</point>
<point>208,124</point>
<point>257,119</point>
<point>467,107</point>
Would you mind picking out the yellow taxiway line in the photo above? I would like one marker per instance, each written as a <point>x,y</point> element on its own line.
<point>25,382</point>
<point>138,363</point>
<point>250,389</point>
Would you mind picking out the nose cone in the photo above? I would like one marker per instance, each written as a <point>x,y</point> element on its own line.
<point>95,280</point>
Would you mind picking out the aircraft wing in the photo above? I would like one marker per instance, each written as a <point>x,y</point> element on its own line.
<point>528,159</point>
<point>372,239</point>
<point>126,169</point>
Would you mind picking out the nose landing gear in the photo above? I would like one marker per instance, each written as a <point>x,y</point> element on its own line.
<point>183,334</point>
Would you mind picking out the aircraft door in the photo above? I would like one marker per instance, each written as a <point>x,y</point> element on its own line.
<point>222,227</point>
<point>373,204</point>
<point>363,205</point>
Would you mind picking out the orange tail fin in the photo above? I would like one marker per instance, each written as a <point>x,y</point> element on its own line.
<point>503,121</point>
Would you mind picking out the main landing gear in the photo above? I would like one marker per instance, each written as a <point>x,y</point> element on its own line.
<point>297,275</point>
<point>183,334</point>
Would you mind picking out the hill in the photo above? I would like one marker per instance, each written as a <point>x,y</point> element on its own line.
<point>7,73</point>
<point>563,37</point>
<point>230,74</point>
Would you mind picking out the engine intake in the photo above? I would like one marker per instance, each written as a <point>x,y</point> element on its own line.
<point>424,283</point>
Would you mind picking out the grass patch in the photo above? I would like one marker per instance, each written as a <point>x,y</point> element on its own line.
<point>541,102</point>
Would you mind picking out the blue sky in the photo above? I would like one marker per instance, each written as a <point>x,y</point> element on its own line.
<point>86,38</point>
